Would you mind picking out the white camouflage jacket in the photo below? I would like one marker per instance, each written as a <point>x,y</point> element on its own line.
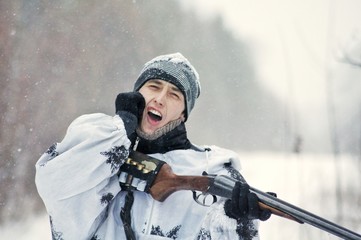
<point>78,182</point>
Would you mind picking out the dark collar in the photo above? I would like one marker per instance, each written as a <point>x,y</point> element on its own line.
<point>173,140</point>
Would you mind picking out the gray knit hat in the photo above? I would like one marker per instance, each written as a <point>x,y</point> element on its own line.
<point>176,69</point>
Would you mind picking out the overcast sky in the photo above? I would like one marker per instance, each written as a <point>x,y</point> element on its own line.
<point>296,44</point>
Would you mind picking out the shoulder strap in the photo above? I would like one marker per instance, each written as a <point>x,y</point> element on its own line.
<point>125,216</point>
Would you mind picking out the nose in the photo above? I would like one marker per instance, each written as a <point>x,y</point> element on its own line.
<point>160,97</point>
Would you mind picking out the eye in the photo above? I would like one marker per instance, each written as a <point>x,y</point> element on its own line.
<point>175,95</point>
<point>153,86</point>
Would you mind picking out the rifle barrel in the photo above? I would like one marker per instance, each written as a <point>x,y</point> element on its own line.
<point>306,216</point>
<point>223,186</point>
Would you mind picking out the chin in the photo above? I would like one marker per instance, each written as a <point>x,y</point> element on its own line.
<point>148,130</point>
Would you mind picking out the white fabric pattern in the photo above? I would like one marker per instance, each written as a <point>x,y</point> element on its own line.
<point>77,180</point>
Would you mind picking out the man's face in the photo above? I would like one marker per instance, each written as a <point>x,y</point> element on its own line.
<point>164,103</point>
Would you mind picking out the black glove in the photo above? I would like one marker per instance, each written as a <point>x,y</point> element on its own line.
<point>244,204</point>
<point>130,106</point>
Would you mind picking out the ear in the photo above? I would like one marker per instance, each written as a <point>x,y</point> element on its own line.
<point>182,117</point>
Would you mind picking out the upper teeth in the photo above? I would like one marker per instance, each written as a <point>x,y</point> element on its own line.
<point>155,112</point>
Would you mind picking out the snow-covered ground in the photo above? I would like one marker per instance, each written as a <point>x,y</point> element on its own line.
<point>305,181</point>
<point>34,228</point>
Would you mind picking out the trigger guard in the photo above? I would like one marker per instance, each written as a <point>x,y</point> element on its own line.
<point>203,203</point>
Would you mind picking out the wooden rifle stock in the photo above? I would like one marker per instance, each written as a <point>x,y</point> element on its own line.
<point>166,183</point>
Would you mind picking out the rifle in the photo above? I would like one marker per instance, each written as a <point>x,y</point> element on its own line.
<point>145,173</point>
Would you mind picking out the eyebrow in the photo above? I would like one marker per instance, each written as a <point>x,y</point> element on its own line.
<point>159,82</point>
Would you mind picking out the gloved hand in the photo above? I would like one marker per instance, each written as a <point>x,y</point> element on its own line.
<point>130,106</point>
<point>244,204</point>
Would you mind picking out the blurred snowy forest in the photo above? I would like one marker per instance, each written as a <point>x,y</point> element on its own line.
<point>62,59</point>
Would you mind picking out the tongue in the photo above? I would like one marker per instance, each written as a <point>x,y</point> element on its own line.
<point>154,116</point>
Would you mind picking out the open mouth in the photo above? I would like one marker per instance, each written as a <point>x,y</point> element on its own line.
<point>155,115</point>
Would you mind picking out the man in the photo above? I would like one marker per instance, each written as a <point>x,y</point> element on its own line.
<point>78,179</point>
